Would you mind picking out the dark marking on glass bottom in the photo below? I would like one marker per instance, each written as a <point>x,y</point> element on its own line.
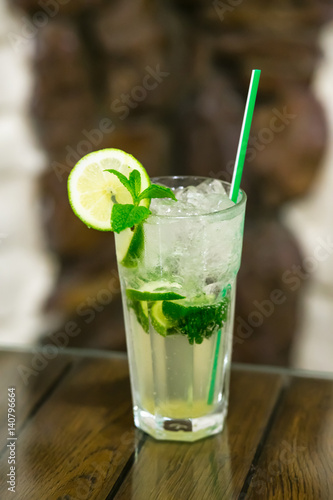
<point>178,425</point>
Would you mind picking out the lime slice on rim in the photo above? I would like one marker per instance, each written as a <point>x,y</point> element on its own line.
<point>92,191</point>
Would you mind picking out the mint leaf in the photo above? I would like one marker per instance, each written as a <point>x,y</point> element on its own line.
<point>135,181</point>
<point>123,179</point>
<point>124,216</point>
<point>156,191</point>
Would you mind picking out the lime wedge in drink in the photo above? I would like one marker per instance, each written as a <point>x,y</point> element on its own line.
<point>93,191</point>
<point>140,308</point>
<point>197,318</point>
<point>162,325</point>
<point>152,296</point>
<point>181,308</point>
<point>156,290</point>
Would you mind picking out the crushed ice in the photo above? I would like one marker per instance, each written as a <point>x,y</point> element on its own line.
<point>209,196</point>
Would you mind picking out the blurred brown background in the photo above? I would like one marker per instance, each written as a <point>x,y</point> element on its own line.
<point>167,82</point>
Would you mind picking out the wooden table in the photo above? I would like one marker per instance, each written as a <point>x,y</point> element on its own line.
<point>76,439</point>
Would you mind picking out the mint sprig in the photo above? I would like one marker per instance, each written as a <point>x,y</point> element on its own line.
<point>128,215</point>
<point>155,191</point>
<point>135,182</point>
<point>123,179</point>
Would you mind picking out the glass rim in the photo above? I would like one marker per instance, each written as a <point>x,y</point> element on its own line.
<point>226,213</point>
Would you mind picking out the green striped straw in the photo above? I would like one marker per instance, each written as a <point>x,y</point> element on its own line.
<point>234,190</point>
<point>244,136</point>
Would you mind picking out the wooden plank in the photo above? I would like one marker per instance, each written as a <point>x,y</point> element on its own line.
<point>297,459</point>
<point>33,376</point>
<point>212,468</point>
<point>82,437</point>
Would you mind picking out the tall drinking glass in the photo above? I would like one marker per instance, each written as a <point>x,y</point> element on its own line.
<point>178,298</point>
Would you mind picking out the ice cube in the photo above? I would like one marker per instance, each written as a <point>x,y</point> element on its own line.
<point>209,196</point>
<point>213,289</point>
<point>224,203</point>
<point>212,186</point>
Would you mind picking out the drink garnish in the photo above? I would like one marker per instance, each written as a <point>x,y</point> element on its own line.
<point>128,215</point>
<point>109,190</point>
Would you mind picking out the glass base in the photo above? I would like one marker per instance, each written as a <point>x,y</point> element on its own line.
<point>180,429</point>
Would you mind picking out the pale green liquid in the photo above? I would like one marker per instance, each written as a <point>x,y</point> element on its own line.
<point>172,379</point>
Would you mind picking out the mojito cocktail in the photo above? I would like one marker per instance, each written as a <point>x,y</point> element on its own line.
<point>178,279</point>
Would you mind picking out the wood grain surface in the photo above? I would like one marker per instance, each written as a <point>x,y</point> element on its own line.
<point>209,468</point>
<point>76,438</point>
<point>80,439</point>
<point>23,372</point>
<point>297,459</point>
